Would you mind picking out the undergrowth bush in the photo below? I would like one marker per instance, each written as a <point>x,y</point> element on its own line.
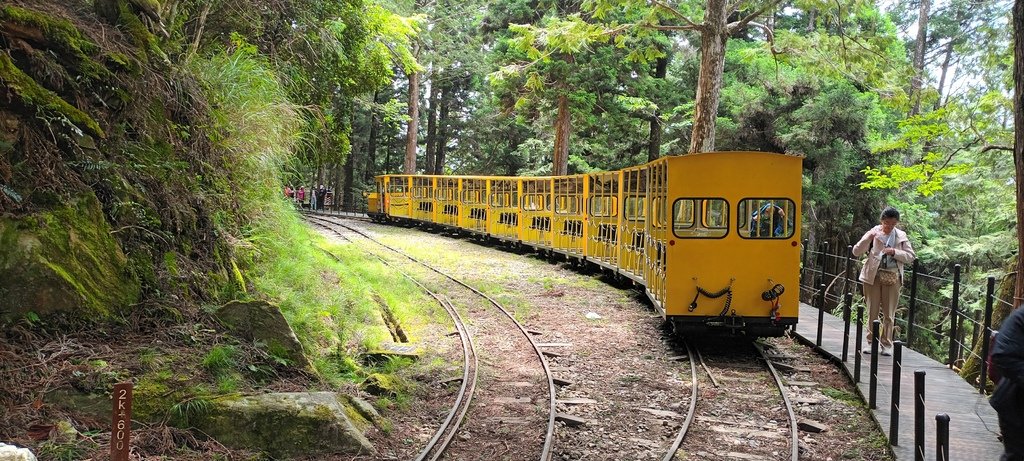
<point>326,299</point>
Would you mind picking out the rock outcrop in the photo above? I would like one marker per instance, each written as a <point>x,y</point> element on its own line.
<point>63,261</point>
<point>288,424</point>
<point>262,321</point>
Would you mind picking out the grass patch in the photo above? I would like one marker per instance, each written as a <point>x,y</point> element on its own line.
<point>842,396</point>
<point>326,299</point>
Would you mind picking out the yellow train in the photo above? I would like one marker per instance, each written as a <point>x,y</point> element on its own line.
<point>712,237</point>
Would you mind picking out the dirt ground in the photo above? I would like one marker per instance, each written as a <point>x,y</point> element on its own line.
<point>625,383</point>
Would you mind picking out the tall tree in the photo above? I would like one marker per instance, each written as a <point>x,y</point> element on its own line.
<point>412,132</point>
<point>1018,139</point>
<point>920,48</point>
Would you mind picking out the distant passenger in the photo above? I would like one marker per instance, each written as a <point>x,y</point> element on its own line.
<point>321,196</point>
<point>888,249</point>
<point>1008,399</point>
<point>312,198</point>
<point>288,192</point>
<point>769,220</point>
<point>301,196</point>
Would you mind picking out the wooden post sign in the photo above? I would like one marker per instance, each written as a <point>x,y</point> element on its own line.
<point>121,431</point>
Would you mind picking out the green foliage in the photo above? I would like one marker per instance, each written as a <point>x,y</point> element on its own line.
<point>33,95</point>
<point>220,360</point>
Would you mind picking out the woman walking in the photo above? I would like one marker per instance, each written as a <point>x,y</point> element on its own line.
<point>888,249</point>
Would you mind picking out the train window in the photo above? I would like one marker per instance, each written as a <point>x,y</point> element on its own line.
<point>534,202</point>
<point>501,199</point>
<point>397,188</point>
<point>700,218</point>
<point>766,218</point>
<point>567,204</point>
<point>658,208</point>
<point>471,197</point>
<point>635,208</point>
<point>603,206</point>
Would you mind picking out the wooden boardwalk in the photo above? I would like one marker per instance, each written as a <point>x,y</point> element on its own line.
<point>973,426</point>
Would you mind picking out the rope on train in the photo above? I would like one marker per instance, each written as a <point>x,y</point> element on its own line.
<point>727,292</point>
<point>772,295</point>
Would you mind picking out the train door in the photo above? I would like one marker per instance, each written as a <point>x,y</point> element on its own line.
<point>447,195</point>
<point>504,215</point>
<point>657,232</point>
<point>474,204</point>
<point>535,211</point>
<point>398,196</point>
<point>567,221</point>
<point>423,198</point>
<point>634,221</point>
<point>602,217</point>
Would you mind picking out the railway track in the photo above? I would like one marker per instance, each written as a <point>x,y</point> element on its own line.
<point>725,414</point>
<point>501,355</point>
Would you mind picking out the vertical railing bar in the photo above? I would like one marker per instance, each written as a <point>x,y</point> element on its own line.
<point>894,405</point>
<point>953,314</point>
<point>912,307</point>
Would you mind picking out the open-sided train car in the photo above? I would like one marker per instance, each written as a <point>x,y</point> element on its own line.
<point>712,237</point>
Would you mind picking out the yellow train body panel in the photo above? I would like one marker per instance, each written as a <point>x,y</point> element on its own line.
<point>712,237</point>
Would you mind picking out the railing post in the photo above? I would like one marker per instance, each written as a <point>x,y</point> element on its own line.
<point>974,332</point>
<point>847,300</point>
<point>822,259</point>
<point>873,377</point>
<point>803,263</point>
<point>894,405</point>
<point>860,337</point>
<point>912,306</point>
<point>848,285</point>
<point>954,313</point>
<point>821,312</point>
<point>986,333</point>
<point>919,415</point>
<point>941,437</point>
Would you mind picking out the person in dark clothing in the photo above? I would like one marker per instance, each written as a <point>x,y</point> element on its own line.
<point>321,194</point>
<point>1008,399</point>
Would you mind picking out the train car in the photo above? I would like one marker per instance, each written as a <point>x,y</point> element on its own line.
<point>713,238</point>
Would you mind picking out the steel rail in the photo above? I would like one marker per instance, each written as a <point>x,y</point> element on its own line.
<point>693,407</point>
<point>549,437</point>
<point>469,371</point>
<point>793,429</point>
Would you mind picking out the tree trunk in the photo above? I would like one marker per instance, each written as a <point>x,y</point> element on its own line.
<point>432,126</point>
<point>654,141</point>
<point>371,143</point>
<point>919,50</point>
<point>414,118</point>
<point>346,193</point>
<point>442,130</point>
<point>942,76</point>
<point>563,125</point>
<point>713,36</point>
<point>1018,138</point>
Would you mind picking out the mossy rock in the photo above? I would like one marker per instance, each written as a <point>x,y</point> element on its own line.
<point>262,321</point>
<point>383,385</point>
<point>64,260</point>
<point>94,410</point>
<point>284,425</point>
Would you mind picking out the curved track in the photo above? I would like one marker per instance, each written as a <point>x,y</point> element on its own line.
<point>444,436</point>
<point>692,416</point>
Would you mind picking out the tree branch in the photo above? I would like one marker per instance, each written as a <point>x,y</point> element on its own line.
<point>769,34</point>
<point>690,25</point>
<point>660,27</point>
<point>733,27</point>
<point>995,147</point>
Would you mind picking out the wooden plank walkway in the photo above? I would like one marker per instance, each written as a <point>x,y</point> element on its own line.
<point>973,426</point>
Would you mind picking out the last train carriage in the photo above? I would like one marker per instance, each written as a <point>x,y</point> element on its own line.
<point>712,237</point>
